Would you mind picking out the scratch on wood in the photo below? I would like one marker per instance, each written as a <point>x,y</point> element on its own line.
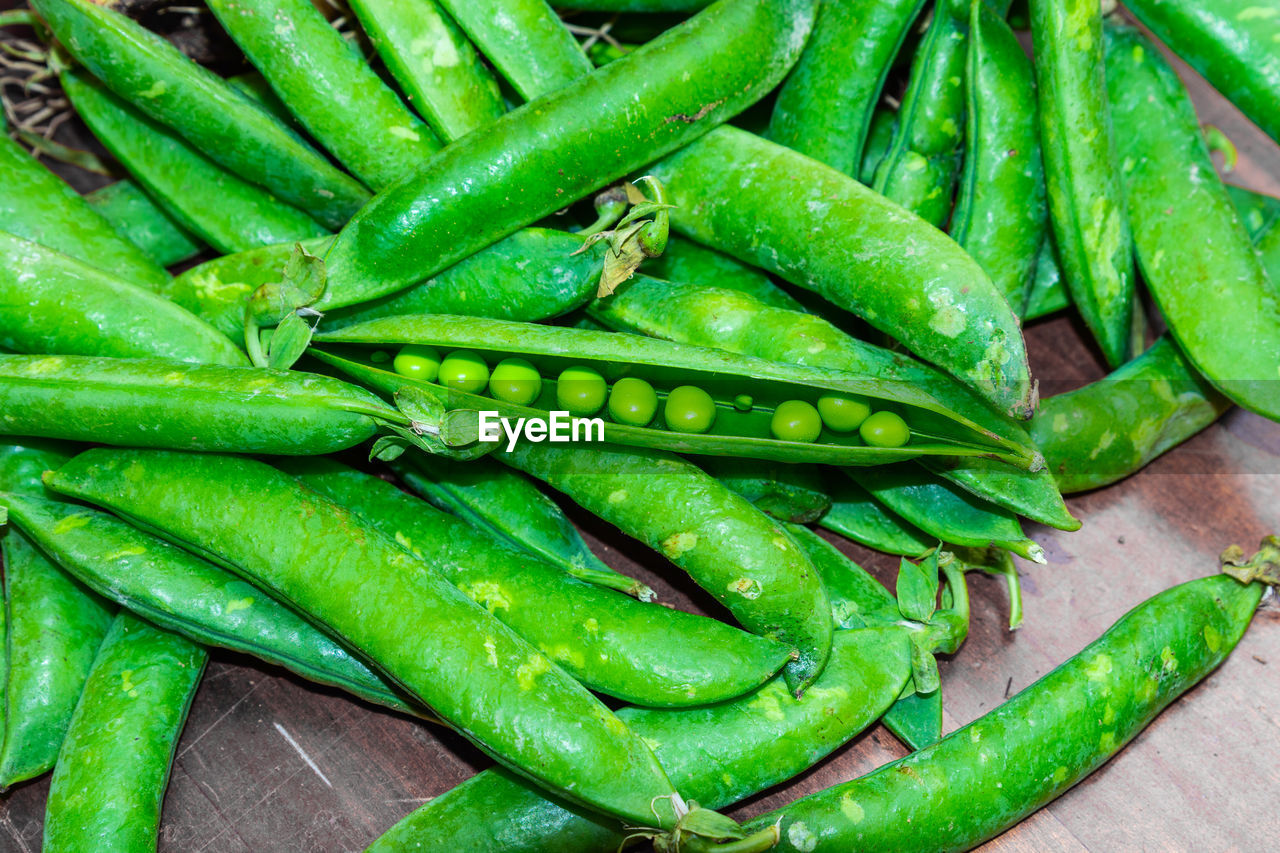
<point>307,758</point>
<point>7,823</point>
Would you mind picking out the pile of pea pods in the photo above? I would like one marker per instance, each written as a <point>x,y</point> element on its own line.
<point>307,380</point>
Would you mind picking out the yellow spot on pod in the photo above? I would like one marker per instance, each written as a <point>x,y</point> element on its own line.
<point>1148,688</point>
<point>1212,638</point>
<point>950,128</point>
<point>1139,54</point>
<point>1060,775</point>
<point>1108,715</point>
<point>71,522</point>
<point>851,810</point>
<point>651,742</point>
<point>1107,742</point>
<point>1104,441</point>
<point>975,734</point>
<point>1098,668</point>
<point>618,496</point>
<point>678,543</point>
<point>746,587</point>
<point>239,604</point>
<point>491,650</point>
<point>1169,661</point>
<point>489,594</point>
<point>768,702</point>
<point>157,89</point>
<point>1253,13</point>
<point>135,551</point>
<point>405,133</point>
<point>1060,423</point>
<point>799,837</point>
<point>592,625</point>
<point>566,655</point>
<point>780,542</point>
<point>126,684</point>
<point>528,671</point>
<point>817,347</point>
<point>726,778</point>
<point>39,366</point>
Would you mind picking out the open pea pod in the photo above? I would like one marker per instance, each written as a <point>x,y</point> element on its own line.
<point>745,391</point>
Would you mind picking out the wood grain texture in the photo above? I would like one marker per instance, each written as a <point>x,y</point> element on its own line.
<point>270,763</point>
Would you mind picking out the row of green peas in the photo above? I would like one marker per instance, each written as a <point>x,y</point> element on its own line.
<point>631,401</point>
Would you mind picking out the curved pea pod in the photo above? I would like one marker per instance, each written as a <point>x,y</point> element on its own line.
<point>142,222</point>
<point>695,265</point>
<point>180,592</point>
<point>1048,293</point>
<point>884,124</point>
<point>341,101</point>
<point>229,127</point>
<point>650,656</point>
<point>182,178</point>
<point>936,430</point>
<point>1000,215</point>
<point>53,303</point>
<point>538,158</point>
<point>1235,44</point>
<point>115,763</point>
<point>156,402</point>
<point>1111,428</point>
<point>1214,293</point>
<point>508,506</point>
<point>733,321</point>
<point>438,70</point>
<point>822,230</point>
<point>825,106</point>
<point>856,515</point>
<point>38,205</point>
<point>409,622</point>
<point>983,778</point>
<point>791,493</point>
<point>717,754</point>
<point>1086,199</point>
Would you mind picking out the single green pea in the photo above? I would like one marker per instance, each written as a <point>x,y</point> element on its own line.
<point>795,420</point>
<point>689,409</point>
<point>743,402</point>
<point>417,362</point>
<point>633,402</point>
<point>885,429</point>
<point>380,356</point>
<point>843,413</point>
<point>463,370</point>
<point>581,391</point>
<point>515,380</point>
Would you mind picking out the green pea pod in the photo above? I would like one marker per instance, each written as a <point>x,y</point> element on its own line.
<point>224,124</point>
<point>884,125</point>
<point>509,507</point>
<point>38,205</point>
<point>856,515</point>
<point>438,70</point>
<point>180,592</point>
<point>920,168</point>
<point>1109,429</point>
<point>650,656</point>
<point>345,106</point>
<point>53,303</point>
<point>717,754</point>
<point>640,5</point>
<point>421,632</point>
<point>1235,44</point>
<point>711,317</point>
<point>1258,212</point>
<point>538,158</point>
<point>1048,293</point>
<point>255,86</point>
<point>182,178</point>
<point>162,403</point>
<point>944,511</point>
<point>824,108</point>
<point>693,265</point>
<point>114,766</point>
<point>985,777</point>
<point>1086,200</point>
<point>1000,215</point>
<point>787,492</point>
<point>824,231</point>
<point>145,224</point>
<point>729,548</point>
<point>1215,295</point>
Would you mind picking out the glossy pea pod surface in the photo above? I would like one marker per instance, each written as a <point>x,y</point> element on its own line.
<point>154,76</point>
<point>142,222</point>
<point>115,763</point>
<point>1086,198</point>
<point>155,402</point>
<point>1214,293</point>
<point>423,633</point>
<point>689,263</point>
<point>823,231</point>
<point>548,153</point>
<point>988,775</point>
<point>53,303</point>
<point>825,106</point>
<point>856,515</point>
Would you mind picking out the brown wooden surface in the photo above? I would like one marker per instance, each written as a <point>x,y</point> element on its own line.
<point>1203,777</point>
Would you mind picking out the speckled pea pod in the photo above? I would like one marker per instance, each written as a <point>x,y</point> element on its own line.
<point>731,549</point>
<point>787,492</point>
<point>344,105</point>
<point>183,179</point>
<point>825,106</point>
<point>162,403</point>
<point>1048,293</point>
<point>421,632</point>
<point>1086,199</point>
<point>38,205</point>
<point>438,70</point>
<point>823,231</point>
<point>1000,215</point>
<point>689,263</point>
<point>646,655</point>
<point>856,515</point>
<point>142,222</point>
<point>115,763</point>
<point>986,776</point>
<point>53,303</point>
<point>1215,295</point>
<point>717,754</point>
<point>180,592</point>
<point>919,170</point>
<point>224,124</point>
